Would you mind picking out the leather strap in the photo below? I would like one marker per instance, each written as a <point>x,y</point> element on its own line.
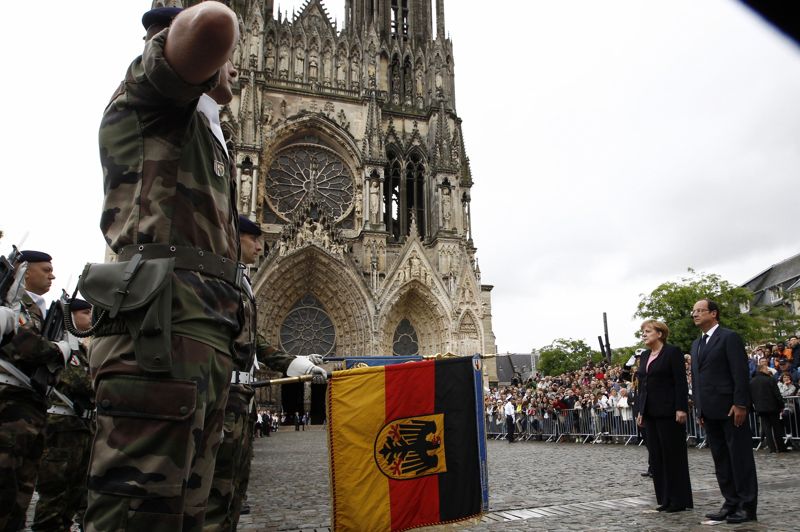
<point>188,258</point>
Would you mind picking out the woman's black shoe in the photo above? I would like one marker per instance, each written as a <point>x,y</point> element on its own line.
<point>661,508</point>
<point>673,509</point>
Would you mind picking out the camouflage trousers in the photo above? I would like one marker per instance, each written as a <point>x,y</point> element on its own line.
<point>157,437</point>
<point>62,473</point>
<point>243,478</point>
<point>22,422</point>
<point>223,512</point>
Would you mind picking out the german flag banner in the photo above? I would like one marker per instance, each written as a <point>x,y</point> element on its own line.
<point>407,445</point>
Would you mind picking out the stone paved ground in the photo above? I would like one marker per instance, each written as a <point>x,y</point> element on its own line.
<point>547,486</point>
<point>532,486</point>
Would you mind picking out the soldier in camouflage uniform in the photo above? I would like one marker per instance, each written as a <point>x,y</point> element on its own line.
<point>68,436</point>
<point>23,404</point>
<point>168,193</point>
<point>236,451</point>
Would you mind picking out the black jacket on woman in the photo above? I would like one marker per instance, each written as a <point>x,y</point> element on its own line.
<point>765,394</point>
<point>663,389</point>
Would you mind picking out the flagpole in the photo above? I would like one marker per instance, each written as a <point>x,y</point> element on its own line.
<point>306,378</point>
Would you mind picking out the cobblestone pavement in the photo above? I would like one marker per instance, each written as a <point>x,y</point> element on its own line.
<point>532,486</point>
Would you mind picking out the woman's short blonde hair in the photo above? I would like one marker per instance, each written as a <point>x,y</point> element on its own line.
<point>659,326</point>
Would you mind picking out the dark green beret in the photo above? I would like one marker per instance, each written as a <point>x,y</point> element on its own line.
<point>31,256</point>
<point>78,304</point>
<point>248,227</point>
<point>160,15</point>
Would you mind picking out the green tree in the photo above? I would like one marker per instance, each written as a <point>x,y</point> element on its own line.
<point>621,355</point>
<point>671,302</point>
<point>776,323</point>
<point>565,354</point>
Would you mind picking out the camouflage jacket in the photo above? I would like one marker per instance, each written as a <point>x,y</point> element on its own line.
<point>250,344</point>
<point>75,383</point>
<point>28,349</point>
<point>167,180</point>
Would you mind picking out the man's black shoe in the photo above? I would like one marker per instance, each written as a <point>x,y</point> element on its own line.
<point>721,515</point>
<point>740,516</point>
<point>661,508</point>
<point>673,509</point>
<point>245,509</point>
<point>647,474</point>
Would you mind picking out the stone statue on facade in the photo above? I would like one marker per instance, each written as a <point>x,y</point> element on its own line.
<point>446,208</point>
<point>299,64</point>
<point>270,57</point>
<point>374,201</point>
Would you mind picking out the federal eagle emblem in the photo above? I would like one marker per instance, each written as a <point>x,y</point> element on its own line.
<point>411,447</point>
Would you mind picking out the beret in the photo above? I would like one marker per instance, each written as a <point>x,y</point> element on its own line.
<point>160,15</point>
<point>30,255</point>
<point>248,227</point>
<point>78,304</point>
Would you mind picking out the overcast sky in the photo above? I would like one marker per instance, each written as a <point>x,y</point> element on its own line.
<point>613,145</point>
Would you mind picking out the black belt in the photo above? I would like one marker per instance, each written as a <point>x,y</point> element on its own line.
<point>187,258</point>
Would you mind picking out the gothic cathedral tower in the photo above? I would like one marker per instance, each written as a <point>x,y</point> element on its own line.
<point>350,155</point>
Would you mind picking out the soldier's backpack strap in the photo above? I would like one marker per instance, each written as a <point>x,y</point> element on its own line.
<point>139,293</point>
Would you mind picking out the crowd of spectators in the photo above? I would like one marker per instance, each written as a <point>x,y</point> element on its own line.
<point>607,391</point>
<point>603,390</point>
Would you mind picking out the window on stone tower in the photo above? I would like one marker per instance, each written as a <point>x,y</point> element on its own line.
<point>392,206</point>
<point>415,191</point>
<point>308,329</point>
<point>399,12</point>
<point>405,342</point>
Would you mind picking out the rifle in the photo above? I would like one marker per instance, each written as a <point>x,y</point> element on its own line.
<point>53,328</point>
<point>8,267</point>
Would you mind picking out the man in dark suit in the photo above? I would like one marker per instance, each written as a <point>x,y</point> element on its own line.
<point>722,396</point>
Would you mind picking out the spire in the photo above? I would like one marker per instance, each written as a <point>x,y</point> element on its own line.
<point>440,19</point>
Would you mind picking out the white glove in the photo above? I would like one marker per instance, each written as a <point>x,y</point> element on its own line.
<point>17,288</point>
<point>9,319</point>
<point>300,366</point>
<point>319,375</point>
<point>316,359</point>
<point>67,346</point>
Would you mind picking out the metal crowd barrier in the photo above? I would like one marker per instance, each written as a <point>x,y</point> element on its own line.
<point>618,425</point>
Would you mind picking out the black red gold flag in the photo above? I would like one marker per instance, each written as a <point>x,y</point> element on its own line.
<point>406,445</point>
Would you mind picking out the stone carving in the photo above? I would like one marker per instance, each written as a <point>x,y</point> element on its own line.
<point>246,191</point>
<point>395,84</point>
<point>309,232</point>
<point>270,55</point>
<point>327,66</point>
<point>355,73</point>
<point>329,109</point>
<point>299,64</point>
<point>283,109</point>
<point>342,118</point>
<point>341,72</point>
<point>313,65</point>
<point>371,71</point>
<point>374,201</point>
<point>267,114</point>
<point>283,63</point>
<point>447,208</point>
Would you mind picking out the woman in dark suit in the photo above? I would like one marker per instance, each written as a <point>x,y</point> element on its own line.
<point>663,403</point>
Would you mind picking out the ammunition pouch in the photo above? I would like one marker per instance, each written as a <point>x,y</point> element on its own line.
<point>136,296</point>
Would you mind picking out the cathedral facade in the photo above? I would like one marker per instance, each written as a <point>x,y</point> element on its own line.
<point>350,156</point>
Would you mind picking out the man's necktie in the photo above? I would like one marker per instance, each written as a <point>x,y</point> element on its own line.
<point>702,347</point>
